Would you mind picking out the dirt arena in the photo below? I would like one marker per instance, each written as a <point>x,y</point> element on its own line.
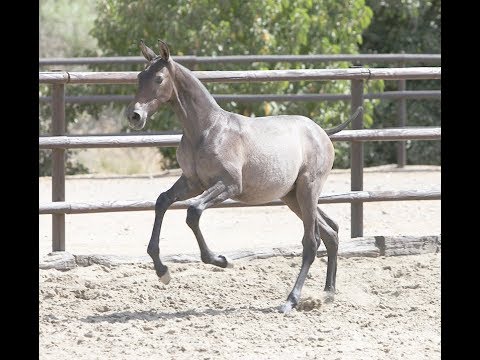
<point>386,307</point>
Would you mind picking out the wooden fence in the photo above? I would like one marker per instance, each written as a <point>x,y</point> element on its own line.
<point>58,142</point>
<point>400,96</point>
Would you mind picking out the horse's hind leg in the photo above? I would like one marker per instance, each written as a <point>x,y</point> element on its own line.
<point>306,198</point>
<point>328,231</point>
<point>291,201</point>
<point>329,220</point>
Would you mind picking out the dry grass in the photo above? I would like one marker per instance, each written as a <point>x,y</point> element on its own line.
<point>121,161</point>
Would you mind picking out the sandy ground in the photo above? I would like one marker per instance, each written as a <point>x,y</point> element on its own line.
<point>385,307</point>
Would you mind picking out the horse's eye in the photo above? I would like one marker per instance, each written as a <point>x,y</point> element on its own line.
<point>158,79</point>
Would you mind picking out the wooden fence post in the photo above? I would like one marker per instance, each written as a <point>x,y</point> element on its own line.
<point>356,161</point>
<point>402,122</point>
<point>58,166</point>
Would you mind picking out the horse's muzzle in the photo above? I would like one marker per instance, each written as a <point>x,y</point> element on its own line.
<point>136,118</point>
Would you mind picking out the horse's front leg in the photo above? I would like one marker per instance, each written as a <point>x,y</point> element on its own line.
<point>212,196</point>
<point>181,190</point>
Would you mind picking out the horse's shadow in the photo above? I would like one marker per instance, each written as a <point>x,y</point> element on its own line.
<point>152,315</point>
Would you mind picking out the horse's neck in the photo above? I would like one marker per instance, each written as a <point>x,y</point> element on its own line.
<point>194,106</point>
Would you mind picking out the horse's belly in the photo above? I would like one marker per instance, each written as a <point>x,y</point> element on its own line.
<point>264,181</point>
<point>264,195</point>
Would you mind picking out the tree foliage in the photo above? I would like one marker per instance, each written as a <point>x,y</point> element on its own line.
<point>410,26</point>
<point>235,27</point>
<point>61,35</point>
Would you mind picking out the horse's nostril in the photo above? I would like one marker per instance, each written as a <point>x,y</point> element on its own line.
<point>135,116</point>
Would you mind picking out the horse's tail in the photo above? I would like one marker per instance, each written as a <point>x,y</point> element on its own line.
<point>345,124</point>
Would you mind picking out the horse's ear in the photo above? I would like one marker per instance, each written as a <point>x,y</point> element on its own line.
<point>147,52</point>
<point>164,50</point>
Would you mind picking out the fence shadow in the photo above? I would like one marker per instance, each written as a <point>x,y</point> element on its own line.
<point>152,315</point>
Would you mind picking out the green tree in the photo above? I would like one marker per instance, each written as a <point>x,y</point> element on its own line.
<point>411,26</point>
<point>234,27</point>
<point>62,35</point>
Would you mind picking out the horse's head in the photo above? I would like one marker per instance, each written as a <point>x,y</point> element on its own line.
<point>155,86</point>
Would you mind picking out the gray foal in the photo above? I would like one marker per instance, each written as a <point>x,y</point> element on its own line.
<point>229,156</point>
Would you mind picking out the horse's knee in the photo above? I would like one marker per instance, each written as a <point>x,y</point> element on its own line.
<point>193,216</point>
<point>162,203</point>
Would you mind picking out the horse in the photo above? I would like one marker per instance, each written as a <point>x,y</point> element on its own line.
<point>224,155</point>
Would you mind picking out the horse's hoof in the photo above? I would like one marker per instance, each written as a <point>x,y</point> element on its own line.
<point>286,308</point>
<point>228,262</point>
<point>165,278</point>
<point>329,296</point>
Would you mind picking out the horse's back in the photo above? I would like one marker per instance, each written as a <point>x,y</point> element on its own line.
<point>294,137</point>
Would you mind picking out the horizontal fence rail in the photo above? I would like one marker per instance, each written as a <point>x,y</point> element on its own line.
<point>78,142</point>
<point>394,95</point>
<point>143,205</point>
<point>242,59</point>
<point>130,77</point>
